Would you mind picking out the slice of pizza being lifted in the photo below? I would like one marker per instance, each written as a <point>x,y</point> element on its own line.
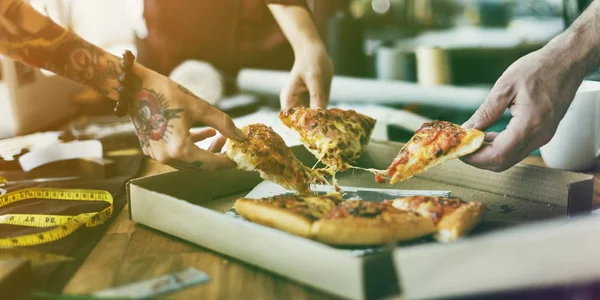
<point>433,144</point>
<point>361,223</point>
<point>293,214</point>
<point>453,217</point>
<point>336,137</point>
<point>266,152</point>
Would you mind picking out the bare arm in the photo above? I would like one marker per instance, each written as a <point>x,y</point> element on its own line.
<point>162,111</point>
<point>537,89</point>
<point>313,70</point>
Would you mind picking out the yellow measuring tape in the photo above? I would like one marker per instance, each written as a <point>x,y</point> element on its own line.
<point>61,225</point>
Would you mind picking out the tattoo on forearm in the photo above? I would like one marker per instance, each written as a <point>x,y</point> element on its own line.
<point>32,38</point>
<point>151,115</point>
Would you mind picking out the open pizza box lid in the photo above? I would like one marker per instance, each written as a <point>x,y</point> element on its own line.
<point>197,207</point>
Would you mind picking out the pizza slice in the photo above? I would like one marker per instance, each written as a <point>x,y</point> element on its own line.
<point>356,222</point>
<point>265,151</point>
<point>335,136</point>
<point>293,214</point>
<point>453,217</point>
<point>433,144</point>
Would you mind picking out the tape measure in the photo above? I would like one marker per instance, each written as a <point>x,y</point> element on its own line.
<point>59,226</point>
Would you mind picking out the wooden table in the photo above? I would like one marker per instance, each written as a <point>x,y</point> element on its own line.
<point>130,252</point>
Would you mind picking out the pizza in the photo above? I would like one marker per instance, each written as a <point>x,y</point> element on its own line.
<point>293,214</point>
<point>433,144</point>
<point>362,223</point>
<point>335,136</point>
<point>266,152</point>
<point>453,217</point>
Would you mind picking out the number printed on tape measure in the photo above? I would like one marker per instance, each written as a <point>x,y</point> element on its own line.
<point>59,226</point>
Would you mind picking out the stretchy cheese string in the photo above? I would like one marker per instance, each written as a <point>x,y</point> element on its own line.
<point>373,171</point>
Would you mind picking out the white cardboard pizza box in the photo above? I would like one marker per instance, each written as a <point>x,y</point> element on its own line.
<point>548,254</point>
<point>544,253</point>
<point>195,207</point>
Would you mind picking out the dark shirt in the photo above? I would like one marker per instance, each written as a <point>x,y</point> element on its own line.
<point>229,34</point>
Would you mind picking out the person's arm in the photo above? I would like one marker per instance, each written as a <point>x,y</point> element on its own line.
<point>161,110</point>
<point>313,70</point>
<point>537,89</point>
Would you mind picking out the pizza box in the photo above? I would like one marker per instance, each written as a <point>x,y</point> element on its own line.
<point>197,207</point>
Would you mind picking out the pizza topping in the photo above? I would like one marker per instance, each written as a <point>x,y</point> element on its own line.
<point>434,143</point>
<point>266,152</point>
<point>335,136</point>
<point>313,207</point>
<point>379,178</point>
<point>434,207</point>
<point>358,208</point>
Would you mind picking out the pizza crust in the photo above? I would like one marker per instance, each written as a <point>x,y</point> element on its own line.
<point>460,222</point>
<point>452,217</point>
<point>366,231</point>
<point>274,217</point>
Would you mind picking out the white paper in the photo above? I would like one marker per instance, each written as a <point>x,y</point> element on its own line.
<point>156,286</point>
<point>57,152</point>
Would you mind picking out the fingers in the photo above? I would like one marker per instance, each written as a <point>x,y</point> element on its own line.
<point>318,88</point>
<point>192,158</point>
<point>202,134</point>
<point>506,149</point>
<point>490,136</point>
<point>491,110</point>
<point>217,144</point>
<point>220,121</point>
<point>295,94</point>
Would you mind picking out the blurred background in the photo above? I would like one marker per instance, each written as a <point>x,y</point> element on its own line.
<point>464,44</point>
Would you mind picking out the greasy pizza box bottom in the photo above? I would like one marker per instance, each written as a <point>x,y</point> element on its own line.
<point>196,207</point>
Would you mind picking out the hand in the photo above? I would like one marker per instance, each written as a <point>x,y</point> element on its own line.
<point>310,79</point>
<point>537,89</point>
<point>163,113</point>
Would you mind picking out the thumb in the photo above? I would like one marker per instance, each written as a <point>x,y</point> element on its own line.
<point>294,94</point>
<point>319,93</point>
<point>491,110</point>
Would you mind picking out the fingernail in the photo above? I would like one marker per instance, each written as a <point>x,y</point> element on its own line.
<point>468,125</point>
<point>239,134</point>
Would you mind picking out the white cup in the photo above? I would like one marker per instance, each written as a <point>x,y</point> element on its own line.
<point>575,145</point>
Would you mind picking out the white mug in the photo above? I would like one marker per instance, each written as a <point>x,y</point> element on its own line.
<point>575,145</point>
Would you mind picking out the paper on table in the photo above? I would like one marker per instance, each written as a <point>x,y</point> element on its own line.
<point>156,286</point>
<point>57,152</point>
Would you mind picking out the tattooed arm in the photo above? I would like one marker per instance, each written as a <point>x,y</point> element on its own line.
<point>162,111</point>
